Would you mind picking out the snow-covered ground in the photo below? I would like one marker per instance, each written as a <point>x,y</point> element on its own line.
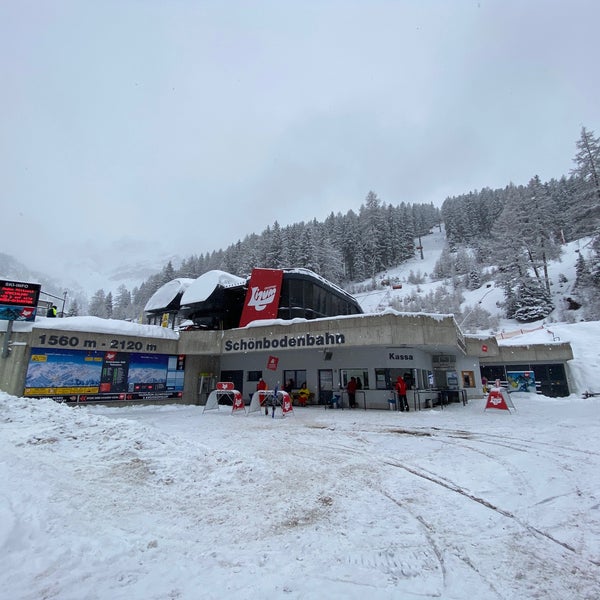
<point>153,503</point>
<point>170,502</point>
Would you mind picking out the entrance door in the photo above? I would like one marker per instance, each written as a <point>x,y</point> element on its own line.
<point>325,386</point>
<point>552,379</point>
<point>236,377</point>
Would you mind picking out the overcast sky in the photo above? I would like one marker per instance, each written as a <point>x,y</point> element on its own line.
<point>181,126</point>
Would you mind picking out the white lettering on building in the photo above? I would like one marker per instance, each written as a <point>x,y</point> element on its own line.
<point>260,299</point>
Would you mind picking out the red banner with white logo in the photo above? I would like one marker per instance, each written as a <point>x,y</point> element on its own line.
<point>496,399</point>
<point>225,385</point>
<point>262,297</point>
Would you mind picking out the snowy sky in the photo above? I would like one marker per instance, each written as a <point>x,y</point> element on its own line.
<point>132,120</point>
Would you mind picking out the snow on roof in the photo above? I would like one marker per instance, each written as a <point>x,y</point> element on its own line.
<point>94,325</point>
<point>201,288</point>
<point>303,271</point>
<point>165,294</point>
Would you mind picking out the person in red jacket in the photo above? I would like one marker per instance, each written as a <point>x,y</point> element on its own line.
<point>351,389</point>
<point>400,388</point>
<point>261,386</point>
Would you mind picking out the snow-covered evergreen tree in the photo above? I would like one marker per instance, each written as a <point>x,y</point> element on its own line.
<point>122,304</point>
<point>73,310</point>
<point>532,301</point>
<point>587,172</point>
<point>97,306</point>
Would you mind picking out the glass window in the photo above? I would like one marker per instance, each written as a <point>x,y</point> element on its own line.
<point>360,374</point>
<point>254,375</point>
<point>468,379</point>
<point>382,379</point>
<point>296,293</point>
<point>298,377</point>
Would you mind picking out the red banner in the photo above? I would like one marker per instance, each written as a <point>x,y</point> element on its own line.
<point>225,385</point>
<point>496,400</point>
<point>238,402</point>
<point>286,403</point>
<point>262,297</point>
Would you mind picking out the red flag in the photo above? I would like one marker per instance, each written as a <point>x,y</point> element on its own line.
<point>262,297</point>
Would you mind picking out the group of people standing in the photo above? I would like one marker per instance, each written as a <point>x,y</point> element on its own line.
<point>303,393</point>
<point>353,385</point>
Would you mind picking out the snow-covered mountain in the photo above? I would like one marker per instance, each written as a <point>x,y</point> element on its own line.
<point>398,283</point>
<point>411,279</point>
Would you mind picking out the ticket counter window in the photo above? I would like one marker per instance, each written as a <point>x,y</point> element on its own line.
<point>468,379</point>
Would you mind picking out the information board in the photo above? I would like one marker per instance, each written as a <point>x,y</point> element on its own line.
<point>18,300</point>
<point>95,375</point>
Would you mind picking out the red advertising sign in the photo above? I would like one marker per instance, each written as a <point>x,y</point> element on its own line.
<point>272,363</point>
<point>496,400</point>
<point>238,402</point>
<point>225,385</point>
<point>262,297</point>
<point>286,403</point>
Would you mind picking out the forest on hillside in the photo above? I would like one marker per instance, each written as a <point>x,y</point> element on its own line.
<point>507,234</point>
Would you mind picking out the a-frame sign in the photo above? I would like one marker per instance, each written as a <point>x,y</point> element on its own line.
<point>499,399</point>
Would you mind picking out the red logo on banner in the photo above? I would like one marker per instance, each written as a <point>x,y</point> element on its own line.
<point>225,385</point>
<point>272,363</point>
<point>496,400</point>
<point>484,348</point>
<point>238,402</point>
<point>286,403</point>
<point>262,297</point>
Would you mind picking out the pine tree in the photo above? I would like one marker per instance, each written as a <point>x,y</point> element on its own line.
<point>109,305</point>
<point>98,304</point>
<point>582,273</point>
<point>122,304</point>
<point>533,301</point>
<point>587,171</point>
<point>373,232</point>
<point>73,309</point>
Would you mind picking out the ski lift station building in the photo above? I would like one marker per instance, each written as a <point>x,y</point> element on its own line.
<point>281,325</point>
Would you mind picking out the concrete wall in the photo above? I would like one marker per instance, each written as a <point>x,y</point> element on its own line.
<point>13,368</point>
<point>544,353</point>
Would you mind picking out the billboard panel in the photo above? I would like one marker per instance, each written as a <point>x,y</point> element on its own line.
<point>80,375</point>
<point>18,300</point>
<point>521,381</point>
